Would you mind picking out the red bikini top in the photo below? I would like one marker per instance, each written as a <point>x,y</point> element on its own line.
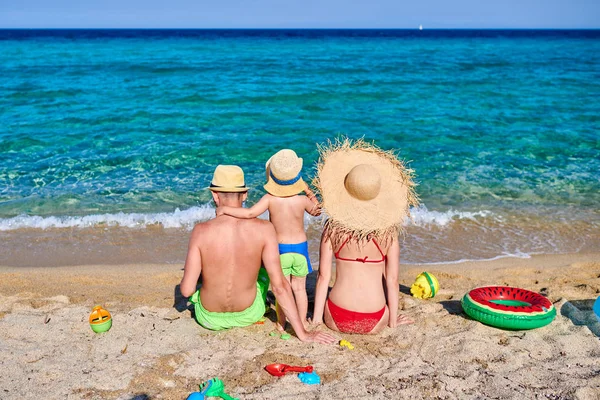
<point>362,260</point>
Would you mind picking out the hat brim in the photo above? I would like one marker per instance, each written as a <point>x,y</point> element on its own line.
<point>278,190</point>
<point>380,216</point>
<point>227,189</point>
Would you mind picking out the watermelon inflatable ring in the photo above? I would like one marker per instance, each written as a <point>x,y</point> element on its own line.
<point>508,308</point>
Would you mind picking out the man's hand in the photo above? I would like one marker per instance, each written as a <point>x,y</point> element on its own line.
<point>319,337</point>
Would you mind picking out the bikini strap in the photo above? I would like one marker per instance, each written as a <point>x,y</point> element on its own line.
<point>337,253</point>
<point>362,260</point>
<point>383,256</point>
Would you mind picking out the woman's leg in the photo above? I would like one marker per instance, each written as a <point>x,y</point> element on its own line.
<point>299,289</point>
<point>329,319</point>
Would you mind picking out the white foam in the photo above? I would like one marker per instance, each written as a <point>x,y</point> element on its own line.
<point>518,254</point>
<point>176,219</point>
<point>421,216</point>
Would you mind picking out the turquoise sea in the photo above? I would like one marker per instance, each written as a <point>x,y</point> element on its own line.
<point>108,138</point>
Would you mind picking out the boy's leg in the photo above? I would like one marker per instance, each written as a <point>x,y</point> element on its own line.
<point>299,288</point>
<point>280,314</point>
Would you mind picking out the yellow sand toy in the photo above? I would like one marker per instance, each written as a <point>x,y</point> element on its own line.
<point>426,285</point>
<point>345,343</point>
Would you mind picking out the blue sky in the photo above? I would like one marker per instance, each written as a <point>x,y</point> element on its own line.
<point>299,13</point>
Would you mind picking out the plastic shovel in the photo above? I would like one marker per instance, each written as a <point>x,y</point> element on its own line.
<point>282,369</point>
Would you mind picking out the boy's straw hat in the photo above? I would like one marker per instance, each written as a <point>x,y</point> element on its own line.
<point>365,191</point>
<point>228,179</point>
<point>284,174</point>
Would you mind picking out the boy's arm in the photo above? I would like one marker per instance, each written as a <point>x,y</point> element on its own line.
<point>312,206</point>
<point>325,260</point>
<point>193,265</point>
<point>392,265</point>
<point>283,291</point>
<point>252,212</point>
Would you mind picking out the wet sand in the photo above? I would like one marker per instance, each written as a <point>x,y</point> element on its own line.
<point>155,350</point>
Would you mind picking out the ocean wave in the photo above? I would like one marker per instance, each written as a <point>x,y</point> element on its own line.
<point>176,219</point>
<point>421,217</point>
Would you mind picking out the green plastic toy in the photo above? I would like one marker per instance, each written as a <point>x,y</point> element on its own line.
<point>215,388</point>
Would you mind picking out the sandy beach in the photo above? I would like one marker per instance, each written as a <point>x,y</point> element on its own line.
<point>155,350</point>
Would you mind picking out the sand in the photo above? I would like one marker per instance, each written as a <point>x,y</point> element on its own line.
<point>155,350</point>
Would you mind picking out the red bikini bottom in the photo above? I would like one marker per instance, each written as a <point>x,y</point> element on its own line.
<point>354,322</point>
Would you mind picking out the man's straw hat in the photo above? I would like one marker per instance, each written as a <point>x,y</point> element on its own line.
<point>284,174</point>
<point>366,192</point>
<point>229,179</point>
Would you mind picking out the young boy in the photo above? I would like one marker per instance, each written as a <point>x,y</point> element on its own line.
<point>286,212</point>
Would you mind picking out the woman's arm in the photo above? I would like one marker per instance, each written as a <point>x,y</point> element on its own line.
<point>253,212</point>
<point>325,261</point>
<point>392,265</point>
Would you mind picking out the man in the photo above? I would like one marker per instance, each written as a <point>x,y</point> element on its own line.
<point>227,252</point>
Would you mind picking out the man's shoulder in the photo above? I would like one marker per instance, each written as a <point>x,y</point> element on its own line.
<point>201,227</point>
<point>259,223</point>
<point>259,226</point>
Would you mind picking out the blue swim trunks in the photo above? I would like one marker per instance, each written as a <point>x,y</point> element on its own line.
<point>295,259</point>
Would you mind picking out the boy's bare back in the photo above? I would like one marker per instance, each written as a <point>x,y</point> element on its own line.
<point>287,215</point>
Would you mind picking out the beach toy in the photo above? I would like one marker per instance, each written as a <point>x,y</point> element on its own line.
<point>100,320</point>
<point>596,308</point>
<point>196,396</point>
<point>309,378</point>
<point>282,369</point>
<point>508,308</point>
<point>426,285</point>
<point>285,336</point>
<point>213,388</point>
<point>345,343</point>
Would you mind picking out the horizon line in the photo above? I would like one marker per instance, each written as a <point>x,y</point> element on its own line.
<point>306,29</point>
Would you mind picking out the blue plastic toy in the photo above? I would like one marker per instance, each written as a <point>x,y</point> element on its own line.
<point>597,308</point>
<point>309,378</point>
<point>196,396</point>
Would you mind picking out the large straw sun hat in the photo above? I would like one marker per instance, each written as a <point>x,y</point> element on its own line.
<point>366,192</point>
<point>284,174</point>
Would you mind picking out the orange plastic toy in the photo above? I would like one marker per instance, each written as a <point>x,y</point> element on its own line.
<point>100,320</point>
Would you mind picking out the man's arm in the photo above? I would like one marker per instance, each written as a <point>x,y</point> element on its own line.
<point>193,265</point>
<point>283,291</point>
<point>325,261</point>
<point>253,212</point>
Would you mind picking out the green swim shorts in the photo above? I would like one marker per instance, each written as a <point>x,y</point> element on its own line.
<point>216,321</point>
<point>293,264</point>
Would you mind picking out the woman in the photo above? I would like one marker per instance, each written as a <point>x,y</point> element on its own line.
<point>367,193</point>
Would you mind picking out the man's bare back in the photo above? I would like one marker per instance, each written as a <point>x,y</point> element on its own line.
<point>231,253</point>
